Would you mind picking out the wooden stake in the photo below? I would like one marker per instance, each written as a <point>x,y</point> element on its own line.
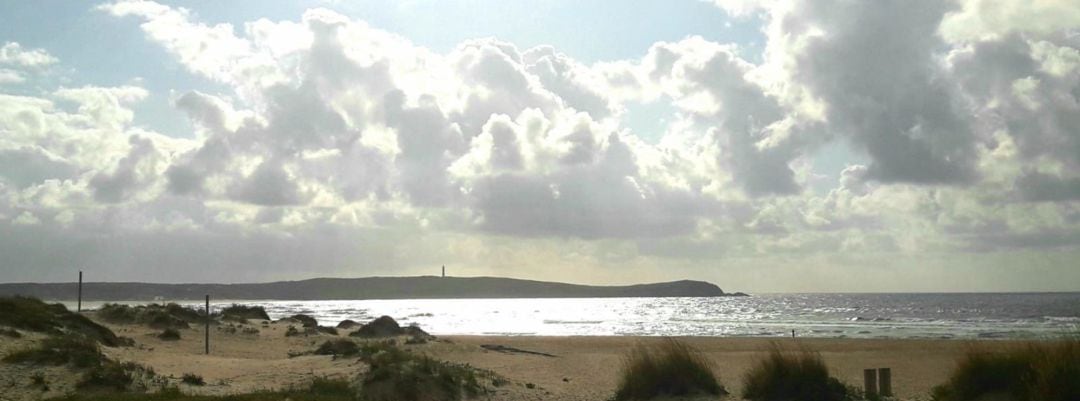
<point>208,325</point>
<point>885,381</point>
<point>870,381</point>
<point>79,307</point>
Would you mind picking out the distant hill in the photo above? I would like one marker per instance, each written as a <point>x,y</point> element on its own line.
<point>363,288</point>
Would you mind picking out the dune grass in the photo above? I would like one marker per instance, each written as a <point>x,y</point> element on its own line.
<point>1037,371</point>
<point>320,389</point>
<point>32,314</point>
<point>241,313</point>
<point>61,350</point>
<point>338,347</point>
<point>169,335</point>
<point>793,375</point>
<point>671,368</point>
<point>168,316</point>
<point>397,375</point>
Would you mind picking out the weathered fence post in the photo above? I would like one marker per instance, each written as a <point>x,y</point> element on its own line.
<point>870,381</point>
<point>208,325</point>
<point>79,304</point>
<point>885,382</point>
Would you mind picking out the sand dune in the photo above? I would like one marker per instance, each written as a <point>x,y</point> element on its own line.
<point>575,368</point>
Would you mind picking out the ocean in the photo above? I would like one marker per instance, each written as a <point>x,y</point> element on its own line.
<point>961,316</point>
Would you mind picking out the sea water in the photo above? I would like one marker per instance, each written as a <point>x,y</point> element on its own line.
<point>982,315</point>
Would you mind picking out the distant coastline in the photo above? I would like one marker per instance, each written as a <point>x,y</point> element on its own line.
<point>420,287</point>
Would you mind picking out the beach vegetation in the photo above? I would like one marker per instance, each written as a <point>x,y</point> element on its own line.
<point>304,320</point>
<point>784,375</point>
<point>1036,371</point>
<point>347,324</point>
<point>670,368</point>
<point>60,350</point>
<point>168,316</point>
<point>338,347</point>
<point>10,333</point>
<point>321,389</point>
<point>110,375</point>
<point>32,314</point>
<point>242,313</point>
<point>192,379</point>
<point>169,335</point>
<point>37,379</point>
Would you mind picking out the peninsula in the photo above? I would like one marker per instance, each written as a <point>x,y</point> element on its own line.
<point>421,287</point>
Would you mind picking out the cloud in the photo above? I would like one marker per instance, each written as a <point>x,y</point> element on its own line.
<point>327,146</point>
<point>12,53</point>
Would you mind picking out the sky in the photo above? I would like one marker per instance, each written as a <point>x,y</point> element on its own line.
<point>764,146</point>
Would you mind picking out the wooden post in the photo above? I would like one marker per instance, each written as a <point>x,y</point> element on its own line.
<point>885,381</point>
<point>870,381</point>
<point>208,325</point>
<point>79,304</point>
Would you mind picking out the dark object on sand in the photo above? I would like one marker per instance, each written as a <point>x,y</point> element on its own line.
<point>511,350</point>
<point>338,347</point>
<point>193,379</point>
<point>169,335</point>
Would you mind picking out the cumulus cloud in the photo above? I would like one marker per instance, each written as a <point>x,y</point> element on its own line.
<point>12,53</point>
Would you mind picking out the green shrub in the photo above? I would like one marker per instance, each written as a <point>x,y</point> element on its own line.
<point>304,320</point>
<point>193,379</point>
<point>242,313</point>
<point>790,376</point>
<point>339,346</point>
<point>327,330</point>
<point>671,368</point>
<point>327,387</point>
<point>32,314</point>
<point>169,316</point>
<point>398,377</point>
<point>1039,371</point>
<point>61,350</point>
<point>111,376</point>
<point>169,335</point>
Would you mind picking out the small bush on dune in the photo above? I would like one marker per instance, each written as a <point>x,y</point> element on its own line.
<point>1046,371</point>
<point>62,350</point>
<point>402,377</point>
<point>169,335</point>
<point>304,320</point>
<point>193,379</point>
<point>32,314</point>
<point>671,368</point>
<point>237,312</point>
<point>788,376</point>
<point>341,346</point>
<point>325,387</point>
<point>156,316</point>
<point>110,376</point>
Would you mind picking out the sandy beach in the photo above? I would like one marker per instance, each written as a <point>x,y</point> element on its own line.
<point>535,368</point>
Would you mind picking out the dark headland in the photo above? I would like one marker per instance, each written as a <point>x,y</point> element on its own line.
<point>363,288</point>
